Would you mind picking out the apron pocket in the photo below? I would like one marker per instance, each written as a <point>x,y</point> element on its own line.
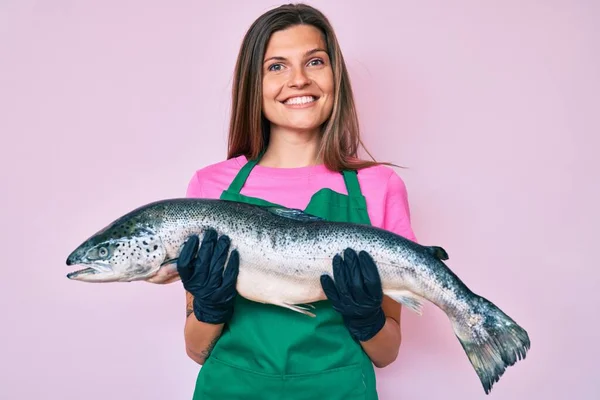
<point>344,383</point>
<point>219,380</point>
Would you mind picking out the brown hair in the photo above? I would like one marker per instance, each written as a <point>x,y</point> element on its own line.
<point>249,130</point>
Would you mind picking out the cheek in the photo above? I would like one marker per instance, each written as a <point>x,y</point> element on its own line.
<point>327,88</point>
<point>327,83</point>
<point>270,89</point>
<point>121,260</point>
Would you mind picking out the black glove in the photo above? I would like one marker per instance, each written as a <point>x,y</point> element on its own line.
<point>202,275</point>
<point>356,293</point>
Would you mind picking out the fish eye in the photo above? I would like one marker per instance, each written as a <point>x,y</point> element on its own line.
<point>102,252</point>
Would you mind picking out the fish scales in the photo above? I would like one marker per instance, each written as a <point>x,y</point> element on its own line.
<point>284,252</point>
<point>299,252</point>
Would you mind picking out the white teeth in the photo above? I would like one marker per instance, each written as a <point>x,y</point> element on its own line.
<point>300,100</point>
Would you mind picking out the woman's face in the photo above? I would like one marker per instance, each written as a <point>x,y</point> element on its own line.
<point>297,79</point>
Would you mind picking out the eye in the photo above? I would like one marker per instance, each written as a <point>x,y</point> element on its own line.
<point>102,252</point>
<point>272,67</point>
<point>316,61</point>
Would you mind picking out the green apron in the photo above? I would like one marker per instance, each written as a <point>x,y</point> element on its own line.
<point>268,352</point>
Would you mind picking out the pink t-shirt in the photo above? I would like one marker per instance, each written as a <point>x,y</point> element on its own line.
<point>384,190</point>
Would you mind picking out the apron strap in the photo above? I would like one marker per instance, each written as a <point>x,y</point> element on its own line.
<point>352,185</point>
<point>241,177</point>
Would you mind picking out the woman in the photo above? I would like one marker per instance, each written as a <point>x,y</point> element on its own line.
<point>293,142</point>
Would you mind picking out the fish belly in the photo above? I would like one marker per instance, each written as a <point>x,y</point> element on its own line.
<point>279,283</point>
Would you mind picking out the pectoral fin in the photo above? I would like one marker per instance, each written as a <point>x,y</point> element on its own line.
<point>303,309</point>
<point>408,299</point>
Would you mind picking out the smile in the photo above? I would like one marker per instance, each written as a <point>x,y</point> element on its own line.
<point>300,100</point>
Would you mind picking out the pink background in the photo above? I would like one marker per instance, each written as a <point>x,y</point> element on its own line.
<point>494,108</point>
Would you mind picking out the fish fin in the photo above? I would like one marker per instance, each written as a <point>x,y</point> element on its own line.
<point>293,213</point>
<point>438,252</point>
<point>298,308</point>
<point>169,261</point>
<point>409,299</point>
<point>493,344</point>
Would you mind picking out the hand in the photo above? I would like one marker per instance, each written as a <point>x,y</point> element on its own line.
<point>356,293</point>
<point>202,275</point>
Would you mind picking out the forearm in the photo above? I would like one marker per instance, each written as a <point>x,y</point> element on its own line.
<point>200,337</point>
<point>383,348</point>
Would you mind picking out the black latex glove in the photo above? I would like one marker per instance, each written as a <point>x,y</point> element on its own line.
<point>356,293</point>
<point>202,275</point>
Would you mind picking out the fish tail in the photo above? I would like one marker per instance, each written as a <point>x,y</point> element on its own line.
<point>493,343</point>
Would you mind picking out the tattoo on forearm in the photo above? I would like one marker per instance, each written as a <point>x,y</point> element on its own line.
<point>189,308</point>
<point>209,349</point>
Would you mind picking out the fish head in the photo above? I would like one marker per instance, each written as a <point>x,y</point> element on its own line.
<point>122,252</point>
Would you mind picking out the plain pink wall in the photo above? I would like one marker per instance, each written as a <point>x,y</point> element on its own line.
<point>494,108</point>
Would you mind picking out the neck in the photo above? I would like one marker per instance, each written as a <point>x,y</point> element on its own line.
<point>291,149</point>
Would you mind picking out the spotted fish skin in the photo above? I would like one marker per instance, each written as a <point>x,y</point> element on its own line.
<point>284,252</point>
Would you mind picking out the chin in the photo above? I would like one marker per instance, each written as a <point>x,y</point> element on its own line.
<point>302,124</point>
<point>298,120</point>
<point>301,128</point>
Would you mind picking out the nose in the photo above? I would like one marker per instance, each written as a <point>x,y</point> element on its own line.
<point>299,79</point>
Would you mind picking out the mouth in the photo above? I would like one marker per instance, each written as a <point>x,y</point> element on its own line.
<point>300,101</point>
<point>98,273</point>
<point>80,273</point>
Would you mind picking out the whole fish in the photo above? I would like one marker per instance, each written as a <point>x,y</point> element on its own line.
<point>283,252</point>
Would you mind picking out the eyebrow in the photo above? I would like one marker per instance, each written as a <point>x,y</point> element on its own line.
<point>308,53</point>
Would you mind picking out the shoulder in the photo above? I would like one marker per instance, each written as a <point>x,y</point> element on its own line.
<point>211,180</point>
<point>230,165</point>
<point>387,199</point>
<point>381,179</point>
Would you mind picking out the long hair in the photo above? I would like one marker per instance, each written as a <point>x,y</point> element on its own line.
<point>249,130</point>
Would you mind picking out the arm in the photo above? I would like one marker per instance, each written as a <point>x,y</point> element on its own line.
<point>383,348</point>
<point>371,318</point>
<point>202,328</point>
<point>210,289</point>
<point>200,337</point>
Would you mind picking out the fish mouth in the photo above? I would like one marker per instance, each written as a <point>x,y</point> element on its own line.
<point>82,272</point>
<point>93,273</point>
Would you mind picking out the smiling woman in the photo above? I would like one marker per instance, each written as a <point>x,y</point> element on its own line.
<point>297,83</point>
<point>293,142</point>
<point>291,52</point>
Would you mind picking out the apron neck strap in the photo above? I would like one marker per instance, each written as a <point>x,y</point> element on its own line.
<point>352,185</point>
<point>240,179</point>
